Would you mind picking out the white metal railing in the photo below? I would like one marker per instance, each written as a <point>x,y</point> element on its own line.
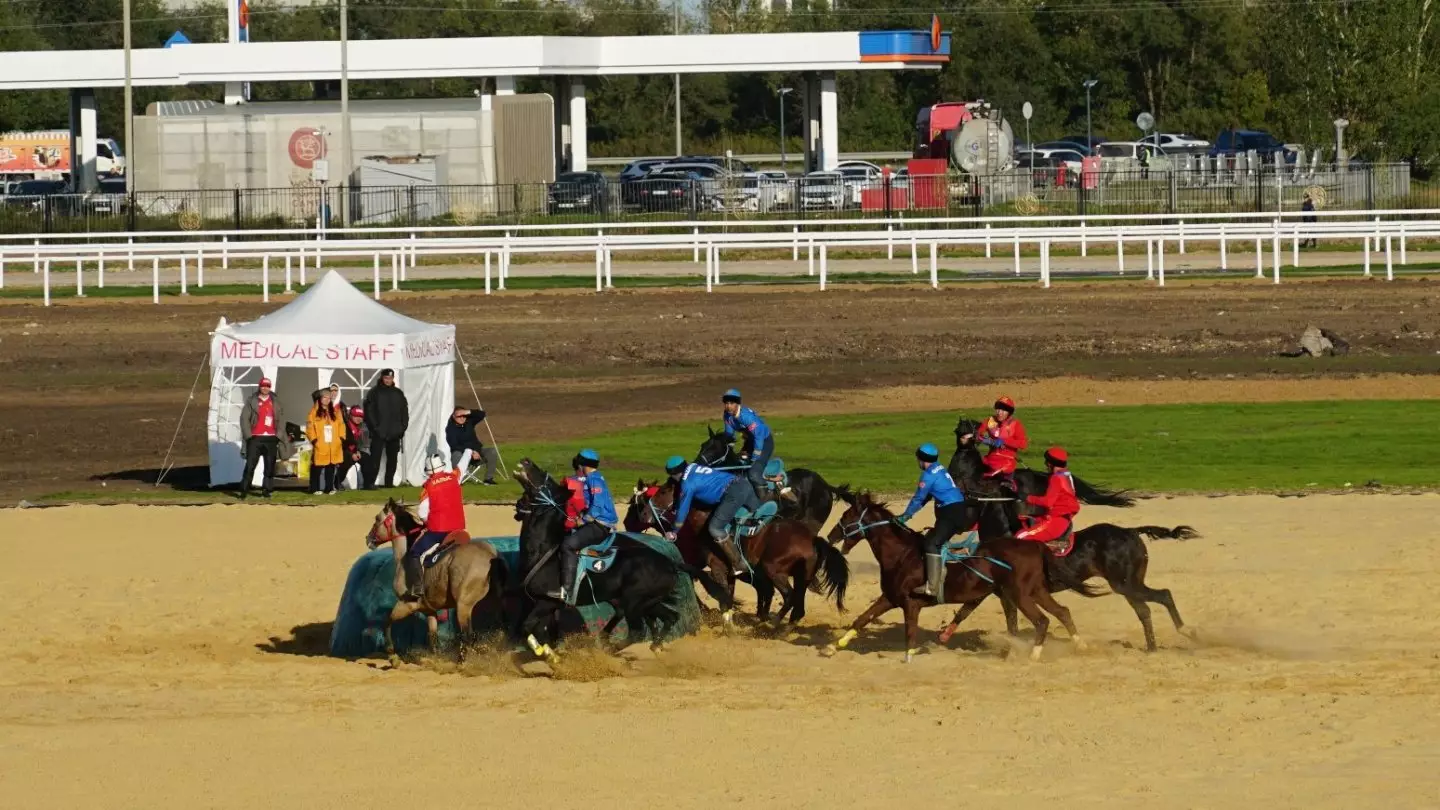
<point>402,252</point>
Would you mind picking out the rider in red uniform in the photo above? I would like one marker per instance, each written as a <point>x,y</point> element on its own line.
<point>1059,501</point>
<point>1006,437</point>
<point>442,507</point>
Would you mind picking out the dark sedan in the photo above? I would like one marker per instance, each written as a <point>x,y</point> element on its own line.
<point>579,192</point>
<point>675,191</point>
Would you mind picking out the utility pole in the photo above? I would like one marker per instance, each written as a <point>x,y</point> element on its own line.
<point>129,106</point>
<point>782,91</point>
<point>678,139</point>
<point>345,147</point>
<point>1089,133</point>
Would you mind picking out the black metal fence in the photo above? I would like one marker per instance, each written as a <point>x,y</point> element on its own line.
<point>1023,192</point>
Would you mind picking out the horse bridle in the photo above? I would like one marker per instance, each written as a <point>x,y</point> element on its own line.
<point>861,527</point>
<point>649,494</point>
<point>372,541</point>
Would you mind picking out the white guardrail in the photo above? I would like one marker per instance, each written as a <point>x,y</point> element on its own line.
<point>1380,232</point>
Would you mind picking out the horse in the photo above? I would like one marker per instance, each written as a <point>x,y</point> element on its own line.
<point>642,514</point>
<point>785,555</point>
<point>1015,566</point>
<point>806,497</point>
<point>968,471</point>
<point>637,586</point>
<point>1116,554</point>
<point>461,577</point>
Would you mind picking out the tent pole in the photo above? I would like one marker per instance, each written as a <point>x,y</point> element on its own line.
<point>165,465</point>
<point>464,364</point>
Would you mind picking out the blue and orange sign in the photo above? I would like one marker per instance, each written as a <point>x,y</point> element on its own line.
<point>932,46</point>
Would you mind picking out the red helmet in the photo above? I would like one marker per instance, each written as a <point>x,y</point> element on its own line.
<point>1057,456</point>
<point>1006,403</point>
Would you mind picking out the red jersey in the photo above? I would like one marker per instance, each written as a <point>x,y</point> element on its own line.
<point>447,508</point>
<point>1012,437</point>
<point>1059,499</point>
<point>575,504</point>
<point>265,418</point>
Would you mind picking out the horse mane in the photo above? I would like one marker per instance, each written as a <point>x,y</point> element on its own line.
<point>405,520</point>
<point>844,493</point>
<point>867,500</point>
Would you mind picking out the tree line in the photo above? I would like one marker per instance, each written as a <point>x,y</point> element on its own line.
<point>1287,66</point>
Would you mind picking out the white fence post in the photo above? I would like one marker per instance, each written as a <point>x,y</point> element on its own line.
<point>99,271</point>
<point>37,255</point>
<point>375,275</point>
<point>1224,260</point>
<point>715,262</point>
<point>1016,249</point>
<point>199,269</point>
<point>397,259</point>
<point>302,266</point>
<point>1045,263</point>
<point>695,249</point>
<point>184,277</point>
<point>914,255</point>
<point>2,272</point>
<point>794,243</point>
<point>1182,237</point>
<point>1275,249</point>
<point>1403,258</point>
<point>414,257</point>
<point>1160,260</point>
<point>810,257</point>
<point>987,240</point>
<point>824,266</point>
<point>45,281</point>
<point>1295,247</point>
<point>79,278</point>
<point>934,266</point>
<point>1084,247</point>
<point>224,253</point>
<point>1259,258</point>
<point>1149,260</point>
<point>289,287</point>
<point>600,268</point>
<point>155,282</point>
<point>890,243</point>
<point>1389,260</point>
<point>131,250</point>
<point>609,267</point>
<point>487,272</point>
<point>504,260</point>
<point>1367,255</point>
<point>709,267</point>
<point>1120,253</point>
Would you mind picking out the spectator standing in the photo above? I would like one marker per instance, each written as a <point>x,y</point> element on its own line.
<point>261,431</point>
<point>387,413</point>
<point>466,447</point>
<point>1308,207</point>
<point>357,448</point>
<point>326,431</point>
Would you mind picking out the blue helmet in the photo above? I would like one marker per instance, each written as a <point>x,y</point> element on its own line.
<point>732,395</point>
<point>589,455</point>
<point>927,452</point>
<point>674,464</point>
<point>775,467</point>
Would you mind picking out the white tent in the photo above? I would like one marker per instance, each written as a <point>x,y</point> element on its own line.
<point>331,333</point>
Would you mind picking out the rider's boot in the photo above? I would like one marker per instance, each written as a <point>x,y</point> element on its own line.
<point>569,563</point>
<point>414,579</point>
<point>732,553</point>
<point>934,578</point>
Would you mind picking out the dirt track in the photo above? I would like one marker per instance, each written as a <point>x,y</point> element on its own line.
<point>93,388</point>
<point>157,668</point>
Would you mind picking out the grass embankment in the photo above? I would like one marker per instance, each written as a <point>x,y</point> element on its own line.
<point>1207,448</point>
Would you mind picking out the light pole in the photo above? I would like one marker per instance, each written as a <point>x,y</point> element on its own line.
<point>345,111</point>
<point>1089,134</point>
<point>782,91</point>
<point>129,107</point>
<point>677,88</point>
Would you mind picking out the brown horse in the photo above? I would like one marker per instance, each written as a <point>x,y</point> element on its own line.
<point>1015,566</point>
<point>458,581</point>
<point>785,555</point>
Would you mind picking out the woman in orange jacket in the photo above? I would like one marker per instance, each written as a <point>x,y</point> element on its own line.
<point>325,428</point>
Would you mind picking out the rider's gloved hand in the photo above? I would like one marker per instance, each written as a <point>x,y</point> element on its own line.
<point>670,536</point>
<point>902,520</point>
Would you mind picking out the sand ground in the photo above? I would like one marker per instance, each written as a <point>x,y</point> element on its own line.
<point>168,657</point>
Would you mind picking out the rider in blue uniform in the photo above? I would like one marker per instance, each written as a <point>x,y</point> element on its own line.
<point>759,442</point>
<point>596,523</point>
<point>937,485</point>
<point>725,492</point>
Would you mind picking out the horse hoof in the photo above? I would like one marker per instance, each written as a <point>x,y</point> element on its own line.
<point>829,650</point>
<point>910,654</point>
<point>947,634</point>
<point>1080,645</point>
<point>1190,633</point>
<point>1037,651</point>
<point>395,661</point>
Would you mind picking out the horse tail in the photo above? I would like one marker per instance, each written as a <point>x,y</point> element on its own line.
<point>832,575</point>
<point>1162,533</point>
<point>719,594</point>
<point>1058,575</point>
<point>1099,496</point>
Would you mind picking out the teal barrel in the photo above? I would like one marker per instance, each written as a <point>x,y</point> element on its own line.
<point>369,596</point>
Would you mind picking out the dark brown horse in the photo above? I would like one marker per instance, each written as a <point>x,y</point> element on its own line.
<point>1015,566</point>
<point>785,555</point>
<point>1116,554</point>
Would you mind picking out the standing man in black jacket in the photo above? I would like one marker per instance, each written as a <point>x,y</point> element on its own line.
<point>387,414</point>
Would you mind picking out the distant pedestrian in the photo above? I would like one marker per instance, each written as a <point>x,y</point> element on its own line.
<point>387,414</point>
<point>261,421</point>
<point>466,447</point>
<point>357,449</point>
<point>326,431</point>
<point>1307,206</point>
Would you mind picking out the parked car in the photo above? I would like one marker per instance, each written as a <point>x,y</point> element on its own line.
<point>731,165</point>
<point>1232,142</point>
<point>711,178</point>
<point>1179,142</point>
<point>574,192</point>
<point>636,169</point>
<point>658,192</point>
<point>1131,150</point>
<point>1067,155</point>
<point>1071,145</point>
<point>1090,142</point>
<point>756,192</point>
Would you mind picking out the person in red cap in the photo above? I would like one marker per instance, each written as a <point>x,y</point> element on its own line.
<point>357,448</point>
<point>1059,501</point>
<point>1005,436</point>
<point>261,428</point>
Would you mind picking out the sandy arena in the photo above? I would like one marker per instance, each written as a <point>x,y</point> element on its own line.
<point>169,657</point>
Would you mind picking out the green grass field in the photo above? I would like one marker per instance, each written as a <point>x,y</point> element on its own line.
<point>1281,447</point>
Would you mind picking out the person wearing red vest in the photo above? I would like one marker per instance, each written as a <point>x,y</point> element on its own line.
<point>442,507</point>
<point>1005,436</point>
<point>1059,501</point>
<point>262,431</point>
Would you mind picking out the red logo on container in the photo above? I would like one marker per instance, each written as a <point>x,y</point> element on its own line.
<point>306,147</point>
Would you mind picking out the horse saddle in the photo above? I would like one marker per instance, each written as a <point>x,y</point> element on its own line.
<point>447,544</point>
<point>596,559</point>
<point>749,524</point>
<point>963,549</point>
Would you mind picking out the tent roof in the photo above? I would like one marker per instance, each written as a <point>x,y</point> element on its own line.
<point>332,306</point>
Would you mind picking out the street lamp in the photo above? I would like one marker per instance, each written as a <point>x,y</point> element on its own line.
<point>346,148</point>
<point>1089,134</point>
<point>782,91</point>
